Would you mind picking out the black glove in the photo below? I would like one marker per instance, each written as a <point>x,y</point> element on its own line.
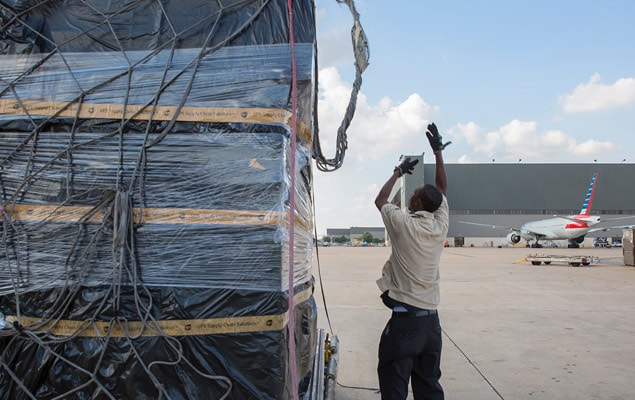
<point>435,139</point>
<point>407,166</point>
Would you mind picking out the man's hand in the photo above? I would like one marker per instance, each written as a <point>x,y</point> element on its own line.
<point>436,141</point>
<point>407,166</point>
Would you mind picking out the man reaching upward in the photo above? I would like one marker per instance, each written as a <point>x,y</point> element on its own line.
<point>410,345</point>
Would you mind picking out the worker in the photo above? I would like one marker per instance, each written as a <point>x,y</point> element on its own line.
<point>410,344</point>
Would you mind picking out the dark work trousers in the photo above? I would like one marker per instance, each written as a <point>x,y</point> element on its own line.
<point>410,349</point>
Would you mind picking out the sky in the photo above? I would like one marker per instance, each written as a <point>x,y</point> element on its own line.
<point>544,81</point>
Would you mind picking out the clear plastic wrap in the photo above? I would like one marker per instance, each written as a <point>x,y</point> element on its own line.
<point>145,152</point>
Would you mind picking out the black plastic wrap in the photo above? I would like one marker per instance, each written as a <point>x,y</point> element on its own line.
<point>187,367</point>
<point>145,175</point>
<point>35,26</point>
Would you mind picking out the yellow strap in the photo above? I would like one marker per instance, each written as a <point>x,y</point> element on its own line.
<point>36,213</point>
<point>183,327</point>
<point>161,113</point>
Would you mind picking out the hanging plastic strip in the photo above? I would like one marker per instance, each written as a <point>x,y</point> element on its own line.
<point>362,55</point>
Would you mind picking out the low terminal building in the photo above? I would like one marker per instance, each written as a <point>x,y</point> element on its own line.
<point>354,233</point>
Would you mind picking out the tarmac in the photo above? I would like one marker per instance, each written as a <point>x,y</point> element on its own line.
<point>511,330</point>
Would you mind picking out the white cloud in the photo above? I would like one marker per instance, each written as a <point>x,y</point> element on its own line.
<point>593,147</point>
<point>376,130</point>
<point>522,140</point>
<point>595,96</point>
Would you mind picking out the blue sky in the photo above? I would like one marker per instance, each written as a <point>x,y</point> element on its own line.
<point>537,81</point>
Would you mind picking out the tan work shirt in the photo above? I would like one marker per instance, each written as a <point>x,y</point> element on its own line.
<point>411,274</point>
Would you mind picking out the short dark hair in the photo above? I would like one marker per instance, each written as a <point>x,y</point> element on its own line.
<point>431,197</point>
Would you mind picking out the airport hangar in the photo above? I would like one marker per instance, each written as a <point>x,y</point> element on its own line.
<point>513,194</point>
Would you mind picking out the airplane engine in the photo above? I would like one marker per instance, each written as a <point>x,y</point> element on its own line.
<point>578,240</point>
<point>514,238</point>
<point>575,242</point>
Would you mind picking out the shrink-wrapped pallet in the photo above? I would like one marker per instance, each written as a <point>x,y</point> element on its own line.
<point>146,179</point>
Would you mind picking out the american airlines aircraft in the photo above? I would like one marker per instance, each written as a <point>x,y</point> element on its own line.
<point>571,227</point>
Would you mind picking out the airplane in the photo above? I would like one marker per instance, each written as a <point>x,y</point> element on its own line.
<point>572,227</point>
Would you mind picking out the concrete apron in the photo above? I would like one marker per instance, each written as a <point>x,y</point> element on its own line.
<point>512,330</point>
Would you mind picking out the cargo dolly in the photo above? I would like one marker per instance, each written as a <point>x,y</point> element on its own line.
<point>575,261</point>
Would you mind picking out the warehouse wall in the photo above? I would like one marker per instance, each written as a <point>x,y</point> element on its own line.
<point>512,194</point>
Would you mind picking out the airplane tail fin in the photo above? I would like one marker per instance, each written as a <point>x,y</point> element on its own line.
<point>588,200</point>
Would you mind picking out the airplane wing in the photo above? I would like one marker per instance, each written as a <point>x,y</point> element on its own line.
<point>614,219</point>
<point>516,234</point>
<point>606,228</point>
<point>517,231</point>
<point>509,228</point>
<point>536,234</point>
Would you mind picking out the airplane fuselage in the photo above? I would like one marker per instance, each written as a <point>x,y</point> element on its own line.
<point>559,228</point>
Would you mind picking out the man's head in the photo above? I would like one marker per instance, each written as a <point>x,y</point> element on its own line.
<point>426,198</point>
